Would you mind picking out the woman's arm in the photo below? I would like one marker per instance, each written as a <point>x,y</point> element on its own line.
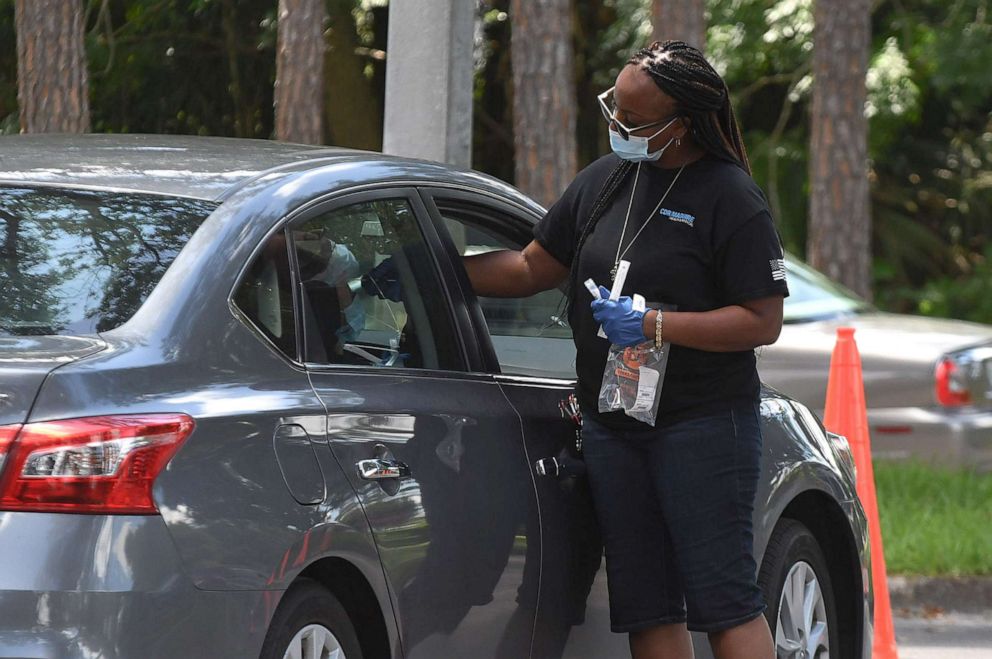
<point>509,273</point>
<point>742,326</point>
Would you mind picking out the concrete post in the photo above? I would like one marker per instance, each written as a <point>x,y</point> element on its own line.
<point>429,63</point>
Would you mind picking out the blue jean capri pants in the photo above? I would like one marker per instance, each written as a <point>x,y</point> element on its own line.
<point>674,503</point>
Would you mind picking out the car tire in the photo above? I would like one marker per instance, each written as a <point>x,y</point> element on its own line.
<point>794,574</point>
<point>309,613</point>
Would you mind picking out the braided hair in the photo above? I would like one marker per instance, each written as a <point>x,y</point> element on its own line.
<point>683,73</point>
<point>606,194</point>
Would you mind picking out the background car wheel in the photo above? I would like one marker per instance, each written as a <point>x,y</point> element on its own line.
<point>310,623</point>
<point>796,583</point>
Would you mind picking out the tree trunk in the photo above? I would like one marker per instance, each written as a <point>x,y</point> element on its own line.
<point>839,241</point>
<point>352,103</point>
<point>229,25</point>
<point>300,71</point>
<point>543,97</point>
<point>52,80</point>
<point>681,20</point>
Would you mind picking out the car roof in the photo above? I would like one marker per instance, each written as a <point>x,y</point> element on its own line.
<point>207,168</point>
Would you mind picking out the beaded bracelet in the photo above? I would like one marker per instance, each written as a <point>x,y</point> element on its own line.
<point>657,329</point>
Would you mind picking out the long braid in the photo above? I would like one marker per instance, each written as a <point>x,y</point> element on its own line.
<point>603,200</point>
<point>683,73</point>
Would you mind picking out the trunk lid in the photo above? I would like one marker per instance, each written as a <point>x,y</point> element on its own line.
<point>25,361</point>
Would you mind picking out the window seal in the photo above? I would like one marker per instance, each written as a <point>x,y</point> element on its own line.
<point>496,214</point>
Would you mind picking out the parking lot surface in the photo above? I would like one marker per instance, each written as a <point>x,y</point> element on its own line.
<point>939,635</point>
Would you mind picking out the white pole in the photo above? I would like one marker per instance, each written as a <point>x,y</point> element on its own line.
<point>429,65</point>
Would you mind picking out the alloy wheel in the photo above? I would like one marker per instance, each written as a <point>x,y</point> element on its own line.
<point>314,642</point>
<point>802,630</point>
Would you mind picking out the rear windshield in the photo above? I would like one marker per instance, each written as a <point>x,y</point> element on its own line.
<point>76,262</point>
<point>812,296</point>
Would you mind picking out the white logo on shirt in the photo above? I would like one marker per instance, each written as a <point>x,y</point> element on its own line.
<point>778,269</point>
<point>677,216</point>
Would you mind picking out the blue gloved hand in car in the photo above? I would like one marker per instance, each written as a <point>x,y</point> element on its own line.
<point>383,281</point>
<point>623,325</point>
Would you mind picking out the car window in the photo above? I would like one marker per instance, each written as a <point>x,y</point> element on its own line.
<point>528,334</point>
<point>82,262</point>
<point>813,296</point>
<point>265,295</point>
<point>370,295</point>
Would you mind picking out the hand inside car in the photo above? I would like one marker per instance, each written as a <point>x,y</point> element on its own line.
<point>383,281</point>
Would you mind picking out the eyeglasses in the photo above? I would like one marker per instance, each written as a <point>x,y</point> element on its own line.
<point>608,108</point>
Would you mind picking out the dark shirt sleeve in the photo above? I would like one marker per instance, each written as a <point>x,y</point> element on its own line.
<point>557,232</point>
<point>750,262</point>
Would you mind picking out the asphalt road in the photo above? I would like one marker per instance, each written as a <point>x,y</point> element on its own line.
<point>941,635</point>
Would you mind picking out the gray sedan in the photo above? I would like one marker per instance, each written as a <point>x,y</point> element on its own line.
<point>218,439</point>
<point>928,381</point>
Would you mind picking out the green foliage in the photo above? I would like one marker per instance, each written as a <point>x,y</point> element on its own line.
<point>182,66</point>
<point>929,95</point>
<point>965,296</point>
<point>208,66</point>
<point>935,521</point>
<point>893,97</point>
<point>622,27</point>
<point>764,52</point>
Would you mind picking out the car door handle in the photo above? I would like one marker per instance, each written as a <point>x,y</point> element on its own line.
<point>378,469</point>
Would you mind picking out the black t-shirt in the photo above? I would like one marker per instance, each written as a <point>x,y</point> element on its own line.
<point>711,244</point>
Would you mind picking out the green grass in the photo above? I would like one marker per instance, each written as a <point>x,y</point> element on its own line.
<point>935,521</point>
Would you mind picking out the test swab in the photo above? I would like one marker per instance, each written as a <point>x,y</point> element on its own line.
<point>615,293</point>
<point>593,289</point>
<point>618,282</point>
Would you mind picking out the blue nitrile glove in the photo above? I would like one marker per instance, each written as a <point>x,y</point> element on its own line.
<point>383,281</point>
<point>622,324</point>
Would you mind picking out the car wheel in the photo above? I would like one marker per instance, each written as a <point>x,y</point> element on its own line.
<point>796,583</point>
<point>310,623</point>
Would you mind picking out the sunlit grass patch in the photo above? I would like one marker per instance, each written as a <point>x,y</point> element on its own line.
<point>935,521</point>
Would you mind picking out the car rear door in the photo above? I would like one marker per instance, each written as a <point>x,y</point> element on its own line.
<point>531,353</point>
<point>434,451</point>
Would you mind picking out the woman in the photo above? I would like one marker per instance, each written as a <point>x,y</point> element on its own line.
<point>677,201</point>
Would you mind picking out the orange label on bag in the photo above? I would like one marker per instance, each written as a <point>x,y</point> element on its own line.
<point>626,373</point>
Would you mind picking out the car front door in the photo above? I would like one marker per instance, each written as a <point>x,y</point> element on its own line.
<point>532,354</point>
<point>434,451</point>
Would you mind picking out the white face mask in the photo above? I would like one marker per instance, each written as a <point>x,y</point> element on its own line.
<point>635,149</point>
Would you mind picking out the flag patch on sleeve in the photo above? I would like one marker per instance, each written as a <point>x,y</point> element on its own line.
<point>778,269</point>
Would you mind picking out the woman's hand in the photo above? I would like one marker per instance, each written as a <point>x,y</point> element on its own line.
<point>622,324</point>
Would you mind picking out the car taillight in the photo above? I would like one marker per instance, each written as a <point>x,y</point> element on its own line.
<point>951,385</point>
<point>104,464</point>
<point>7,435</point>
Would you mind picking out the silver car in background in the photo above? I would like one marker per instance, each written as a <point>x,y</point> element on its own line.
<point>218,440</point>
<point>928,381</point>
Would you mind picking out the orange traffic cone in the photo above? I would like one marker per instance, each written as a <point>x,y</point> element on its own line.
<point>846,414</point>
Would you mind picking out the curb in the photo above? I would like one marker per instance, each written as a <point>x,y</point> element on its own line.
<point>928,595</point>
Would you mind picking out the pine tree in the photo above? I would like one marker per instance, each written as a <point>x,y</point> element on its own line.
<point>52,80</point>
<point>839,238</point>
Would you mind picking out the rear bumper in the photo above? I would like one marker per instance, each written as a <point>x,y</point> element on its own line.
<point>935,435</point>
<point>112,586</point>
